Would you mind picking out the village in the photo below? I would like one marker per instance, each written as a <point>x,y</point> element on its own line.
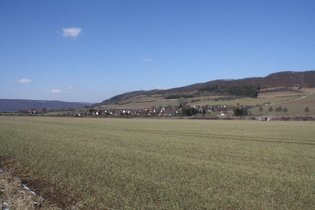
<point>169,111</point>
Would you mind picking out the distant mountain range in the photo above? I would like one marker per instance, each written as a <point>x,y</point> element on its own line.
<point>286,79</point>
<point>13,105</point>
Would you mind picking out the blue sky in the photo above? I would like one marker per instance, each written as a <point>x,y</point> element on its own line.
<point>89,51</point>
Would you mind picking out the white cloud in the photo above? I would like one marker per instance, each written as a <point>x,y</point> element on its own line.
<point>25,81</point>
<point>56,91</point>
<point>71,32</point>
<point>147,59</point>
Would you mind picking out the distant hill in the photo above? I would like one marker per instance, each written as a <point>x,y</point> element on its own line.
<point>12,105</point>
<point>241,87</point>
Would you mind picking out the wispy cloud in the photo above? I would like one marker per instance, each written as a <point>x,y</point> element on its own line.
<point>71,32</point>
<point>147,59</point>
<point>56,91</point>
<point>25,81</point>
<point>69,89</point>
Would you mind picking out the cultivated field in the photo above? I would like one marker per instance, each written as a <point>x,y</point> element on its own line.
<point>242,101</point>
<point>295,107</point>
<point>272,96</point>
<point>163,164</point>
<point>202,101</point>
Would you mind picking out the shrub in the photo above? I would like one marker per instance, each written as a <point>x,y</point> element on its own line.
<point>239,111</point>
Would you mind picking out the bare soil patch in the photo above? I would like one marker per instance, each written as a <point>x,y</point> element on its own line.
<point>15,196</point>
<point>63,198</point>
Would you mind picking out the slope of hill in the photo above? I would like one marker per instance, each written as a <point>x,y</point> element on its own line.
<point>12,105</point>
<point>240,87</point>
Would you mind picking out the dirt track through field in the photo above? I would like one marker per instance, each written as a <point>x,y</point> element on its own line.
<point>301,102</point>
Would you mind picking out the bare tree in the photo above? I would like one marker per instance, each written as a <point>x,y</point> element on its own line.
<point>280,109</point>
<point>307,110</point>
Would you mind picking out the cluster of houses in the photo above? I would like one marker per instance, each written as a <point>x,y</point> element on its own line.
<point>168,111</point>
<point>35,111</point>
<point>128,112</point>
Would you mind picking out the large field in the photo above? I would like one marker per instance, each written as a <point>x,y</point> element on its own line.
<point>163,164</point>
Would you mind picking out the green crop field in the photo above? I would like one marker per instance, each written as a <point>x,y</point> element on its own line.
<point>99,163</point>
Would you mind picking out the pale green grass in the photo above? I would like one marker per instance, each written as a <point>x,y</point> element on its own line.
<point>309,97</point>
<point>142,105</point>
<point>242,101</point>
<point>140,102</point>
<point>144,98</point>
<point>143,101</point>
<point>169,164</point>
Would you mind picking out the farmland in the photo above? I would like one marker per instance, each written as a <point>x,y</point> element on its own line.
<point>163,164</point>
<point>295,107</point>
<point>295,101</point>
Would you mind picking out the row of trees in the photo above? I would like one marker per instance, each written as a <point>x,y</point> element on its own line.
<point>280,109</point>
<point>245,91</point>
<point>277,109</point>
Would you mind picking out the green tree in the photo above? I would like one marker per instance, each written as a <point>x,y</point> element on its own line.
<point>270,109</point>
<point>260,109</point>
<point>91,111</point>
<point>239,111</point>
<point>285,109</point>
<point>188,111</point>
